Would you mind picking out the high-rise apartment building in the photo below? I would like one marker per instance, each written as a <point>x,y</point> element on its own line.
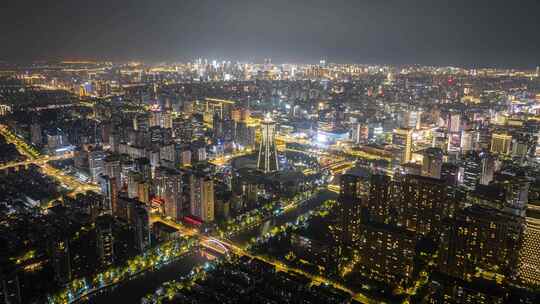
<point>481,242</point>
<point>202,197</point>
<point>105,240</point>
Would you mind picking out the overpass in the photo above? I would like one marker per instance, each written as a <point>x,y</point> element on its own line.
<point>39,161</point>
<point>25,149</point>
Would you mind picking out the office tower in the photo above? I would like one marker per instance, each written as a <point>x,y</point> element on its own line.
<point>432,162</point>
<point>36,136</point>
<point>113,169</point>
<point>402,139</point>
<point>202,197</point>
<point>268,160</point>
<point>141,226</point>
<point>500,143</point>
<point>109,189</point>
<point>481,241</point>
<point>168,184</point>
<point>105,240</point>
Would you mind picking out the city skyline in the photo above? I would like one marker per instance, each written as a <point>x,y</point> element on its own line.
<point>314,152</point>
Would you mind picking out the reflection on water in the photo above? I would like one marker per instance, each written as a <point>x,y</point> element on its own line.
<point>132,291</point>
<point>244,237</point>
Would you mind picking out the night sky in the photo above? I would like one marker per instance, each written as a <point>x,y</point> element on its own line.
<point>459,32</point>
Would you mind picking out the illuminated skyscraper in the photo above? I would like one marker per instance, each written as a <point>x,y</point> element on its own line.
<point>416,203</point>
<point>529,261</point>
<point>110,194</point>
<point>113,169</point>
<point>387,254</point>
<point>402,138</point>
<point>202,197</point>
<point>268,161</point>
<point>500,143</point>
<point>481,241</point>
<point>169,187</point>
<point>488,168</point>
<point>466,141</point>
<point>95,164</point>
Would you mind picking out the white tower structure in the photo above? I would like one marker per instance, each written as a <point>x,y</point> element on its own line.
<point>268,161</point>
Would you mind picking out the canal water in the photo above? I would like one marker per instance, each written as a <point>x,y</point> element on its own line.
<point>244,237</point>
<point>133,290</point>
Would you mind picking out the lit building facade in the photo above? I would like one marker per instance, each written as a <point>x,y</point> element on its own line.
<point>268,160</point>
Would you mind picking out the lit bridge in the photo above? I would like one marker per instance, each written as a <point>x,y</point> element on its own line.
<point>215,246</point>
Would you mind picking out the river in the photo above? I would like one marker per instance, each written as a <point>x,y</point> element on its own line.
<point>133,290</point>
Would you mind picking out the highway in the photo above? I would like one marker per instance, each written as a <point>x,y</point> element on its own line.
<point>37,161</point>
<point>74,185</point>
